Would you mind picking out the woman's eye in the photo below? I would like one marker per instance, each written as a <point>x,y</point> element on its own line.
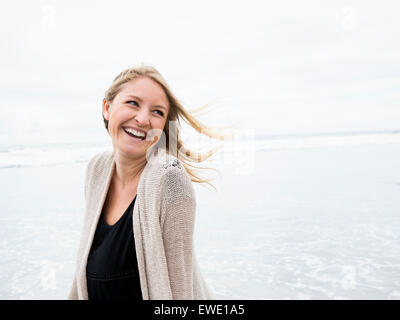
<point>134,103</point>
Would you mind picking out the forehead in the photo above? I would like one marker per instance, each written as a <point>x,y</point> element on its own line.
<point>146,89</point>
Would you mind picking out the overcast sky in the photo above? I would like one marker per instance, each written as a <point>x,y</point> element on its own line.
<point>296,66</point>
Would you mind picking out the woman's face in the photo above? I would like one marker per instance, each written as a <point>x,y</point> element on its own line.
<point>140,106</point>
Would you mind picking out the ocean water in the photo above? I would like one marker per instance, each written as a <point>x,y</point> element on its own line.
<point>294,217</point>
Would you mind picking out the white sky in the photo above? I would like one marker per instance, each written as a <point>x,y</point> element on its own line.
<point>296,66</point>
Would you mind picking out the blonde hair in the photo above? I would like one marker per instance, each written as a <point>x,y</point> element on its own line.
<point>188,157</point>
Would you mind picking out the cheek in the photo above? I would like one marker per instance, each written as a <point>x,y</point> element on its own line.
<point>119,116</point>
<point>161,123</point>
<point>162,126</point>
<point>157,123</point>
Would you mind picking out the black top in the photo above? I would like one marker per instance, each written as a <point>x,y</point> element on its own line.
<point>112,271</point>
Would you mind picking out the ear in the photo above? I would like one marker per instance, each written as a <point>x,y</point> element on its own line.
<point>106,109</point>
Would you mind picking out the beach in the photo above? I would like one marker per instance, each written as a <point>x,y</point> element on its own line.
<point>303,223</point>
<point>317,223</point>
<point>308,198</point>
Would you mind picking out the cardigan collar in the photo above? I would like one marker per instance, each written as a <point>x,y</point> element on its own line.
<point>107,172</point>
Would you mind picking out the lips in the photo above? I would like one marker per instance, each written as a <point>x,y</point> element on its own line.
<point>135,129</point>
<point>134,134</point>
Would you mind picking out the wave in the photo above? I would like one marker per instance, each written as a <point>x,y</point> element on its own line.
<point>38,156</point>
<point>322,134</point>
<point>326,139</point>
<point>18,156</point>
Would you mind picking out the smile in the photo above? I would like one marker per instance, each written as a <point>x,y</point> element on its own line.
<point>135,134</point>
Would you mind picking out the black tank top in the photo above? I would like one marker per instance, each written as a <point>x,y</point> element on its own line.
<point>112,271</point>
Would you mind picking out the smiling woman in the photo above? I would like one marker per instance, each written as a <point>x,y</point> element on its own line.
<point>162,102</point>
<point>137,238</point>
<point>140,105</point>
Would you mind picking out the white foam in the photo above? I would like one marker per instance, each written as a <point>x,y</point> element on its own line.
<point>53,154</point>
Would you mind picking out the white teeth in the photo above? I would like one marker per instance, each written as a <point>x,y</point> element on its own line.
<point>136,133</point>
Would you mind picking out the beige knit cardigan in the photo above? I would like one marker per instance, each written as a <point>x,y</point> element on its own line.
<point>163,226</point>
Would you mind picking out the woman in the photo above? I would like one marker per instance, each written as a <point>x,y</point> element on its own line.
<point>148,179</point>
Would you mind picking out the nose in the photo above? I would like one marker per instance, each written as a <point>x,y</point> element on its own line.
<point>142,117</point>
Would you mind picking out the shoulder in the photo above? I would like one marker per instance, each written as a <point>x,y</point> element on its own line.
<point>178,202</point>
<point>171,170</point>
<point>98,164</point>
<point>172,175</point>
<point>175,175</point>
<point>100,160</point>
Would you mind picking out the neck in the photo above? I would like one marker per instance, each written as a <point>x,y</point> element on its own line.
<point>128,170</point>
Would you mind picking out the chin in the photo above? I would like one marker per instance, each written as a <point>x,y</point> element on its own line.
<point>131,150</point>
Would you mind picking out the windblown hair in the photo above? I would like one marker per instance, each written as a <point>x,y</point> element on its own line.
<point>188,157</point>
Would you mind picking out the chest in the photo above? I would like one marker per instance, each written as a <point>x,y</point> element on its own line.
<point>116,203</point>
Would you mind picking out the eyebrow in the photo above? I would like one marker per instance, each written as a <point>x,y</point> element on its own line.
<point>140,100</point>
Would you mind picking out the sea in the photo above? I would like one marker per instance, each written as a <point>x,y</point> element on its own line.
<point>292,216</point>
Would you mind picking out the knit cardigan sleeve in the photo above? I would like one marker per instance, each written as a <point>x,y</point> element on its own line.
<point>73,291</point>
<point>177,221</point>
